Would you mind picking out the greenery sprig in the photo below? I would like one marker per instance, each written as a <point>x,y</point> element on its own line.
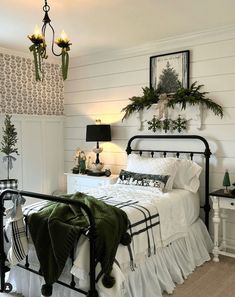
<point>183,96</point>
<point>192,96</point>
<point>150,96</point>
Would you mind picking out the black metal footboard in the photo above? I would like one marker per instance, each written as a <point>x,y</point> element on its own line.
<point>91,233</point>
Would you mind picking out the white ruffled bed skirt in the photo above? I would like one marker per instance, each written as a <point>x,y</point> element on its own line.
<point>171,265</point>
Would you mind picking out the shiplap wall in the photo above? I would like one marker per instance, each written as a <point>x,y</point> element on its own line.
<point>99,87</point>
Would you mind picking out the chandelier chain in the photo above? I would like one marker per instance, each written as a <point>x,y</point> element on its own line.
<point>46,7</point>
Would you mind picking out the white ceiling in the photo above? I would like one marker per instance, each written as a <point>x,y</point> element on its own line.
<point>101,25</point>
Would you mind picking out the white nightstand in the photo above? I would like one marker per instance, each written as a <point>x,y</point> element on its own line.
<point>80,182</point>
<point>221,202</point>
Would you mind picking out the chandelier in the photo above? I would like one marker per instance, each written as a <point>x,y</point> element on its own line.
<point>39,46</point>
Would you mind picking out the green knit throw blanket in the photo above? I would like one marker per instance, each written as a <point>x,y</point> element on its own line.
<point>57,227</point>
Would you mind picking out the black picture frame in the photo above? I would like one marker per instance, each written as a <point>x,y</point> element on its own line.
<point>169,71</point>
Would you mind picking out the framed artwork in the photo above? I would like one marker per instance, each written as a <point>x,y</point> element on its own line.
<point>170,71</point>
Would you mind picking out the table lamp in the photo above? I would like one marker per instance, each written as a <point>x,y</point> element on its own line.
<point>98,133</point>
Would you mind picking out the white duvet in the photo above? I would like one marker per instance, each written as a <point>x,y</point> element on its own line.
<point>177,210</point>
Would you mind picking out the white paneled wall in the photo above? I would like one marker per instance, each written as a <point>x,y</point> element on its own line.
<point>99,87</point>
<point>40,164</point>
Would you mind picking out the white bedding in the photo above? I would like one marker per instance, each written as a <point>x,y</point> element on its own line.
<point>189,200</point>
<point>161,272</point>
<point>177,208</point>
<point>178,211</point>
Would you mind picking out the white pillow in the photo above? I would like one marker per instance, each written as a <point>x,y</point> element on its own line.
<point>157,166</point>
<point>187,176</point>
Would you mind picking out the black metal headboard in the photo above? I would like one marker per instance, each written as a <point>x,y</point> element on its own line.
<point>206,154</point>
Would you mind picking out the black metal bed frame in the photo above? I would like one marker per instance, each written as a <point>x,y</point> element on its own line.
<point>91,232</point>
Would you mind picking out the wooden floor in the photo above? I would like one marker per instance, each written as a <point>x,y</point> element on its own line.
<point>209,280</point>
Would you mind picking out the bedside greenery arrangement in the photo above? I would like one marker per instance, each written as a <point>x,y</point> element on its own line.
<point>8,143</point>
<point>183,97</point>
<point>8,147</point>
<point>226,182</point>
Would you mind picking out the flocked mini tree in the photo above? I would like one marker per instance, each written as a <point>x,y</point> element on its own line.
<point>8,143</point>
<point>226,182</point>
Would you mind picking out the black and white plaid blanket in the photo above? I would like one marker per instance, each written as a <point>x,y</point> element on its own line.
<point>143,220</point>
<point>144,226</point>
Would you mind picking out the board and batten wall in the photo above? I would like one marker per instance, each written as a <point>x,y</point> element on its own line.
<point>99,87</point>
<point>39,165</point>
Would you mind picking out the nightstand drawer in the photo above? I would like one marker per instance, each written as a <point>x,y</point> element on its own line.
<point>227,203</point>
<point>80,183</point>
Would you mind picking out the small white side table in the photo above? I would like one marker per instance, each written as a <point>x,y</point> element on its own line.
<point>81,182</point>
<point>221,202</point>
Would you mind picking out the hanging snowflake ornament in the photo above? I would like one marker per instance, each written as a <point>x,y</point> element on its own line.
<point>155,124</point>
<point>179,124</point>
<point>166,125</point>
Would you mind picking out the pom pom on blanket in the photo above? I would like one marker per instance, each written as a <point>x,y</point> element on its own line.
<point>108,281</point>
<point>126,239</point>
<point>46,290</point>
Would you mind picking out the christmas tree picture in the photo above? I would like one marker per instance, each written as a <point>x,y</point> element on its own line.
<point>168,80</point>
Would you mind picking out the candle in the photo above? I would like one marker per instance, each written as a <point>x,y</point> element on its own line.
<point>64,37</point>
<point>37,33</point>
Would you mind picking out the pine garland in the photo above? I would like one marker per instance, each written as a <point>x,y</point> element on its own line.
<point>183,96</point>
<point>150,96</point>
<point>192,96</point>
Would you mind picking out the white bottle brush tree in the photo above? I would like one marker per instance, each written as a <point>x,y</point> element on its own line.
<point>8,143</point>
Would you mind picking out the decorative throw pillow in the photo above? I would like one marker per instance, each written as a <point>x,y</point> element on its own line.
<point>140,179</point>
<point>156,166</point>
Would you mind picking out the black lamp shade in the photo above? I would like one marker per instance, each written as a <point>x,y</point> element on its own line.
<point>98,133</point>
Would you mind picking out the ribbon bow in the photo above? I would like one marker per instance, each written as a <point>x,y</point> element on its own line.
<point>9,159</point>
<point>162,105</point>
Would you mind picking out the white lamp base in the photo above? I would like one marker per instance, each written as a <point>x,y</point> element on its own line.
<point>97,167</point>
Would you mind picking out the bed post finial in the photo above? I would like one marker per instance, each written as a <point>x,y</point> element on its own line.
<point>128,150</point>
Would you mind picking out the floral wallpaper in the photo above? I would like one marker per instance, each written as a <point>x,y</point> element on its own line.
<point>20,93</point>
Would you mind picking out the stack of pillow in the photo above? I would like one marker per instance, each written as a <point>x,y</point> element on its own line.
<point>162,173</point>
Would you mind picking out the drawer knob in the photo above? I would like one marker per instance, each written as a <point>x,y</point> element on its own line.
<point>232,203</point>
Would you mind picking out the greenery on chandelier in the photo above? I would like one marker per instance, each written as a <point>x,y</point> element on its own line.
<point>39,53</point>
<point>183,97</point>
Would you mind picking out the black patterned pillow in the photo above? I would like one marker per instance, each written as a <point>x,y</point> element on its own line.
<point>142,179</point>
